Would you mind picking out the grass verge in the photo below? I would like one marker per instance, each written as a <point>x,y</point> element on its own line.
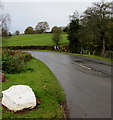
<point>98,57</point>
<point>46,88</point>
<point>94,57</point>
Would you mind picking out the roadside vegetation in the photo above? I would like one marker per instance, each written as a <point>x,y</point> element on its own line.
<point>98,57</point>
<point>14,61</point>
<point>92,32</point>
<point>49,94</point>
<point>93,56</point>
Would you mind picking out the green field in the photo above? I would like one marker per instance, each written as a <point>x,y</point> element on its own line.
<point>32,40</point>
<point>46,88</point>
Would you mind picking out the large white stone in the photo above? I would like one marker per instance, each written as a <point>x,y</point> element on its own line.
<point>19,97</point>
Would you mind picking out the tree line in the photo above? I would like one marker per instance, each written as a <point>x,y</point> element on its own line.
<point>93,31</point>
<point>41,27</point>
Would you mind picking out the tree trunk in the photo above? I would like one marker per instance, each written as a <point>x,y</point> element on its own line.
<point>103,47</point>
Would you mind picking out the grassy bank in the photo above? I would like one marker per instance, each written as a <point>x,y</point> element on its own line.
<point>98,57</point>
<point>46,88</point>
<point>32,40</point>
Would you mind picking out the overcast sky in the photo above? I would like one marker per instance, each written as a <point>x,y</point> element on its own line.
<point>26,13</point>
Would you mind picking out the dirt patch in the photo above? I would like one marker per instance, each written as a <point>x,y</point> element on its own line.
<point>65,110</point>
<point>2,77</point>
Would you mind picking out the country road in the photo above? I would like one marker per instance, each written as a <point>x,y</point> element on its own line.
<point>86,82</point>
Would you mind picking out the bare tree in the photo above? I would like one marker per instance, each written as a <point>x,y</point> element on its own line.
<point>4,21</point>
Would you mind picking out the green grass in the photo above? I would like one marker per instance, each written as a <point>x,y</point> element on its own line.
<point>94,57</point>
<point>46,88</point>
<point>32,40</point>
<point>98,57</point>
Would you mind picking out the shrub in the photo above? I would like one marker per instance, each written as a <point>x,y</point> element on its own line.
<point>14,61</point>
<point>24,56</point>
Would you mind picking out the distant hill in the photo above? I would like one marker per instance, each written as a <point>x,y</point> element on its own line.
<point>32,40</point>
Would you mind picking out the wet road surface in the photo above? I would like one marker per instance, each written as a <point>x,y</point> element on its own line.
<point>87,83</point>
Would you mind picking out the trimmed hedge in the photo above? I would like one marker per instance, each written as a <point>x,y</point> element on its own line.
<point>61,47</point>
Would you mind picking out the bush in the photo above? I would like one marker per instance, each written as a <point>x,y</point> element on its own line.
<point>24,56</point>
<point>14,61</point>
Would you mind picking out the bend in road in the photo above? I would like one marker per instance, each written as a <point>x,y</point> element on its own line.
<point>87,84</point>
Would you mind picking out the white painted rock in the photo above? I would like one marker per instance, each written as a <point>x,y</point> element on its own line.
<point>19,97</point>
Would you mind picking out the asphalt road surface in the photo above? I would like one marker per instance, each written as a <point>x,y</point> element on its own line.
<point>86,82</point>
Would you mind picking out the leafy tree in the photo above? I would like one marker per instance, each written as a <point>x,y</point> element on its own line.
<point>73,31</point>
<point>17,32</point>
<point>10,34</point>
<point>29,30</point>
<point>65,29</point>
<point>42,27</point>
<point>57,31</point>
<point>109,35</point>
<point>96,25</point>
